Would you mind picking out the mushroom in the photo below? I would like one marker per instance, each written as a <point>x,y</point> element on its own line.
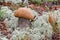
<point>24,13</point>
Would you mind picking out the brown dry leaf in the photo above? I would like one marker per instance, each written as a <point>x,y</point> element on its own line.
<point>12,5</point>
<point>55,36</point>
<point>3,27</point>
<point>3,3</point>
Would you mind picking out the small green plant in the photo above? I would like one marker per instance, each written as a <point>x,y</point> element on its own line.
<point>49,0</point>
<point>1,12</point>
<point>36,1</point>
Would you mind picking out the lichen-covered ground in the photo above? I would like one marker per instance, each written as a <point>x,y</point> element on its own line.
<point>41,28</point>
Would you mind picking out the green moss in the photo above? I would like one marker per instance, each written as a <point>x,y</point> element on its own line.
<point>40,1</point>
<point>49,0</point>
<point>1,12</point>
<point>36,1</point>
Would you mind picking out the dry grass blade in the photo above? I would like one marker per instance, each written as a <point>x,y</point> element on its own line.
<point>52,21</point>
